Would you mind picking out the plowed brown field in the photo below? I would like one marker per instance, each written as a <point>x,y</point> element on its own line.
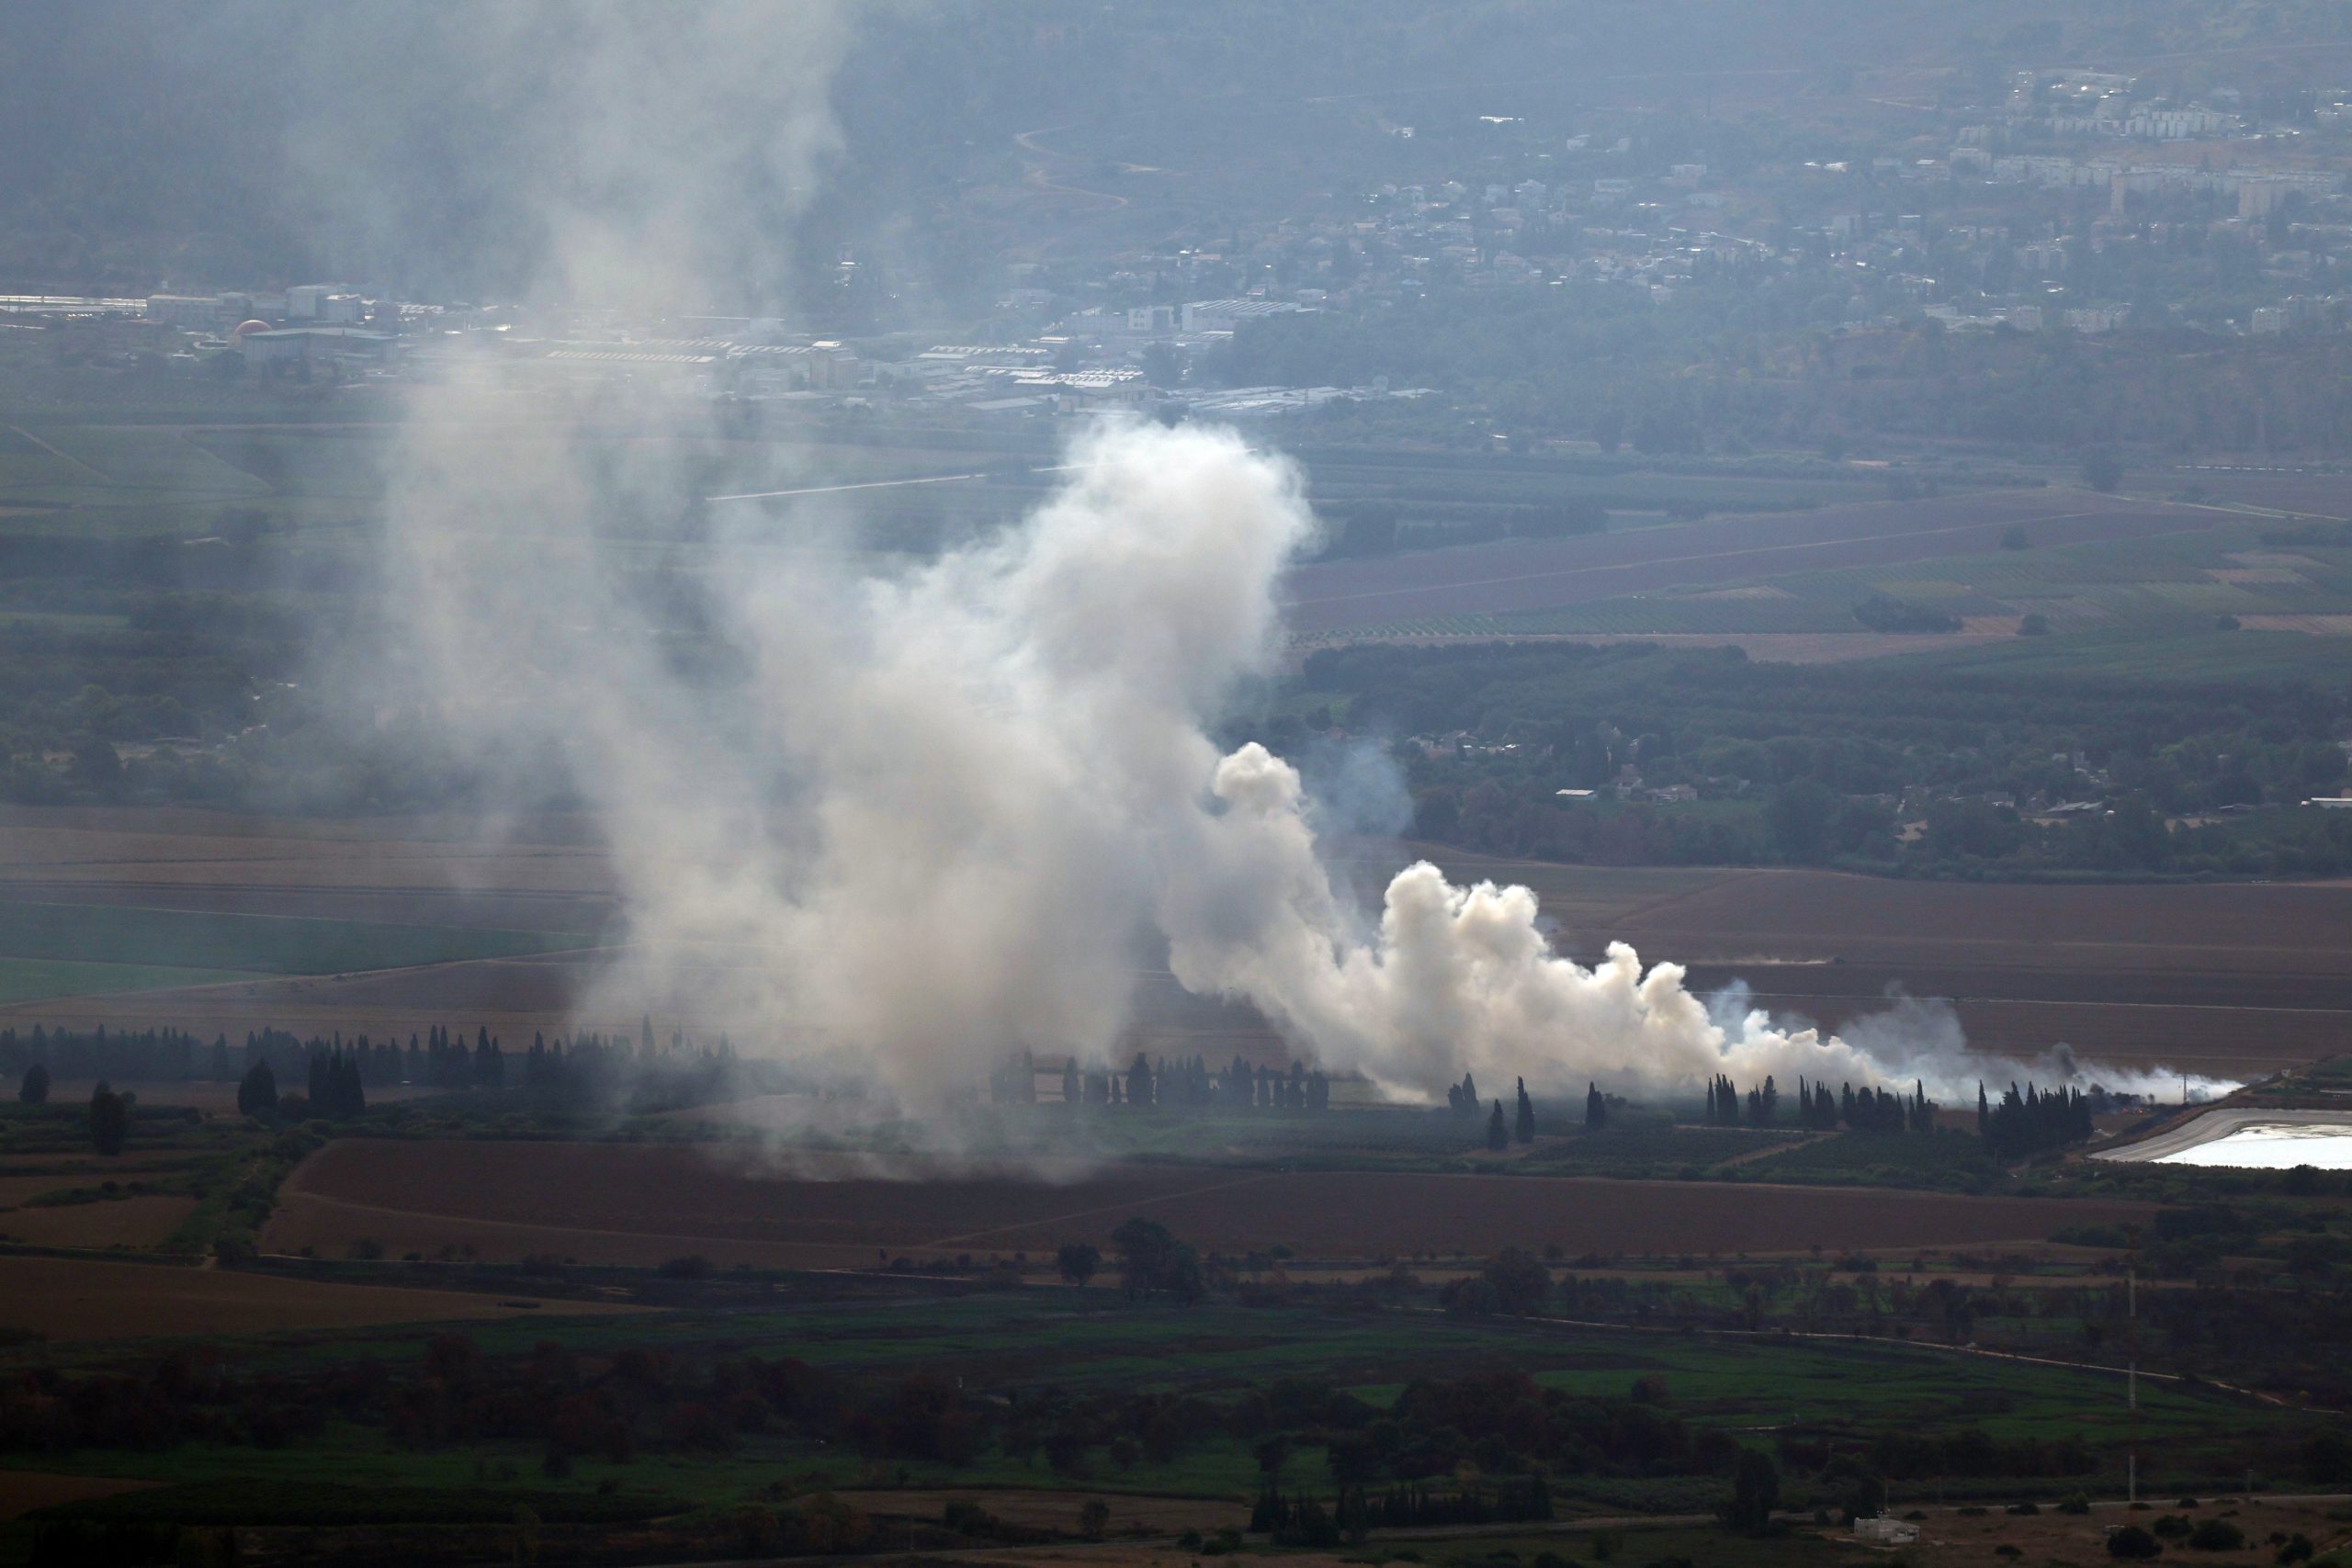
<point>24,1490</point>
<point>2230,980</point>
<point>643,1203</point>
<point>135,1223</point>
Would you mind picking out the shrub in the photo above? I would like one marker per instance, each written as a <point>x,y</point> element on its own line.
<point>2132,1542</point>
<point>967,1517</point>
<point>757,1529</point>
<point>2216,1535</point>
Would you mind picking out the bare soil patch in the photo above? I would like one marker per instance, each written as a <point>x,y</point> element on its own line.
<point>25,1491</point>
<point>2233,980</point>
<point>2313,626</point>
<point>172,847</point>
<point>509,996</point>
<point>135,1223</point>
<point>639,1203</point>
<point>83,1299</point>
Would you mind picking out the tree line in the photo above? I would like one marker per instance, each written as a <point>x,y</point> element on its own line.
<point>2032,1122</point>
<point>337,1073</point>
<point>1867,1110</point>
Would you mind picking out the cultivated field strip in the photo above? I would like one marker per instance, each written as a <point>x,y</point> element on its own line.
<point>639,1203</point>
<point>70,1300</point>
<point>2233,979</point>
<point>1521,575</point>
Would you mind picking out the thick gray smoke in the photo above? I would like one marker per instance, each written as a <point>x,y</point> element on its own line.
<point>932,814</point>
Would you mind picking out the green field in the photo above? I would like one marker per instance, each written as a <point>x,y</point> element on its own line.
<point>1086,1342</point>
<point>1949,1160</point>
<point>100,936</point>
<point>40,979</point>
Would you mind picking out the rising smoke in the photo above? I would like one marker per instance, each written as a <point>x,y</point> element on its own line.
<point>927,815</point>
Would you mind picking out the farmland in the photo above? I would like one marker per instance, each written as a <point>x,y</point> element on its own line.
<point>220,941</point>
<point>2113,606</point>
<point>1100,1368</point>
<point>439,1212</point>
<point>643,1203</point>
<point>79,1301</point>
<point>2227,980</point>
<point>2234,980</point>
<point>1421,592</point>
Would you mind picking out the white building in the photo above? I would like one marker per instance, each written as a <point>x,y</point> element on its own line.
<point>185,309</point>
<point>1225,315</point>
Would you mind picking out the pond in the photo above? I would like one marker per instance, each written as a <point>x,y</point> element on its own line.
<point>2248,1138</point>
<point>2273,1146</point>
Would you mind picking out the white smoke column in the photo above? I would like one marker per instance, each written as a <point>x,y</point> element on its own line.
<point>995,746</point>
<point>1452,978</point>
<point>925,829</point>
<point>1458,978</point>
<point>930,827</point>
<point>934,814</point>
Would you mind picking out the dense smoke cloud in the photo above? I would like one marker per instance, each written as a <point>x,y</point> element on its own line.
<point>907,818</point>
<point>938,817</point>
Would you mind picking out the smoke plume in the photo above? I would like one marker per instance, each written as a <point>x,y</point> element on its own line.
<point>902,818</point>
<point>945,807</point>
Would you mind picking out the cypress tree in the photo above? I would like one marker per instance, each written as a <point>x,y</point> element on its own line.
<point>109,1120</point>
